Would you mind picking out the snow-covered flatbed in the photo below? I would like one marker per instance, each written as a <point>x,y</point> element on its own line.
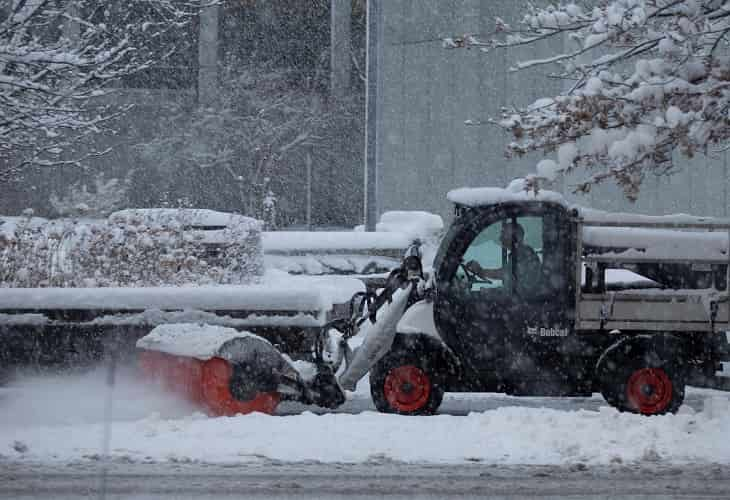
<point>68,326</point>
<point>300,293</point>
<point>307,294</point>
<point>302,242</point>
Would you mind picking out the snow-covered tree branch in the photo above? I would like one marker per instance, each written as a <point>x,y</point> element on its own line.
<point>59,57</point>
<point>645,78</point>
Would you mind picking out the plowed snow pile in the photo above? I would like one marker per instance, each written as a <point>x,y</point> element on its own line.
<point>61,420</point>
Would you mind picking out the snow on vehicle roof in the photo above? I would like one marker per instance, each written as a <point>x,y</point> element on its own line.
<point>708,241</point>
<point>275,293</point>
<point>479,196</point>
<point>475,197</point>
<point>193,340</point>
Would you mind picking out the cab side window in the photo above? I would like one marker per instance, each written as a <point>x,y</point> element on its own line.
<point>526,257</point>
<point>487,252</point>
<point>509,252</point>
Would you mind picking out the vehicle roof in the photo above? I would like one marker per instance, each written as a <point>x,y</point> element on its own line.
<point>472,197</point>
<point>481,196</point>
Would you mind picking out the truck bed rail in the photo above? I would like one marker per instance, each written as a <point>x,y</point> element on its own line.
<point>692,245</point>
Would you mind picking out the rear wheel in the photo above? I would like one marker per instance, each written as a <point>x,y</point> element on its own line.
<point>645,387</point>
<point>406,383</point>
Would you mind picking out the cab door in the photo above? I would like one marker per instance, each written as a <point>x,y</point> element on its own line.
<point>509,332</point>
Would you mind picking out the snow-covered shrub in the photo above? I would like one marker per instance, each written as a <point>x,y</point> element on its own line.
<point>26,250</point>
<point>133,248</point>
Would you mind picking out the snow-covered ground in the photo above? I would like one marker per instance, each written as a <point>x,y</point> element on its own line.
<point>60,419</point>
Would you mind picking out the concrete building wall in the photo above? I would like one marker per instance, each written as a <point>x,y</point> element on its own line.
<point>428,92</point>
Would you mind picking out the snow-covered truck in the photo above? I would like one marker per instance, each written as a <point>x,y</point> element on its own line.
<point>76,291</point>
<point>530,296</point>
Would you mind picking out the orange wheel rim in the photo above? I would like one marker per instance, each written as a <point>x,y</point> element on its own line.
<point>649,390</point>
<point>407,388</point>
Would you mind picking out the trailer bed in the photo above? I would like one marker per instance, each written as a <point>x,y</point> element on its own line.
<point>72,326</point>
<point>607,243</point>
<point>654,310</point>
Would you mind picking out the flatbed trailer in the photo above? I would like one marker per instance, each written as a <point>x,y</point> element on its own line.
<point>42,327</point>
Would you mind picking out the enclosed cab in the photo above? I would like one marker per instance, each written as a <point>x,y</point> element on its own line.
<point>570,303</point>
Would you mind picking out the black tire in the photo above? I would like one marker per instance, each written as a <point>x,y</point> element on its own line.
<point>642,384</point>
<point>407,383</point>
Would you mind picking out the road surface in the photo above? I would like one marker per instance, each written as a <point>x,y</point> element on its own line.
<point>352,482</point>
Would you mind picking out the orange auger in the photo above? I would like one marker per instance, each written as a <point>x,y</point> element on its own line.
<point>203,383</point>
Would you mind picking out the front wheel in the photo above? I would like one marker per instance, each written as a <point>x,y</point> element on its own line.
<point>406,383</point>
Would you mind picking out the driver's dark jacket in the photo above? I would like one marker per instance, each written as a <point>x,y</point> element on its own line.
<point>527,276</point>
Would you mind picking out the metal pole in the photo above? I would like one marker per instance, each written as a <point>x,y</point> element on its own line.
<point>309,191</point>
<point>724,184</point>
<point>208,55</point>
<point>340,62</point>
<point>371,100</point>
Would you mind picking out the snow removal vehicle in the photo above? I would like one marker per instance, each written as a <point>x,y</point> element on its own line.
<point>634,307</point>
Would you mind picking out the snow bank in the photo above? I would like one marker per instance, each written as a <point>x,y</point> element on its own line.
<point>60,420</point>
<point>414,223</point>
<point>505,436</point>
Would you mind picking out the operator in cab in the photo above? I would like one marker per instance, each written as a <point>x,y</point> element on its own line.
<point>527,269</point>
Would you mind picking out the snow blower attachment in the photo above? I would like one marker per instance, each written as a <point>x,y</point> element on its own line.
<point>221,369</point>
<point>230,372</point>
